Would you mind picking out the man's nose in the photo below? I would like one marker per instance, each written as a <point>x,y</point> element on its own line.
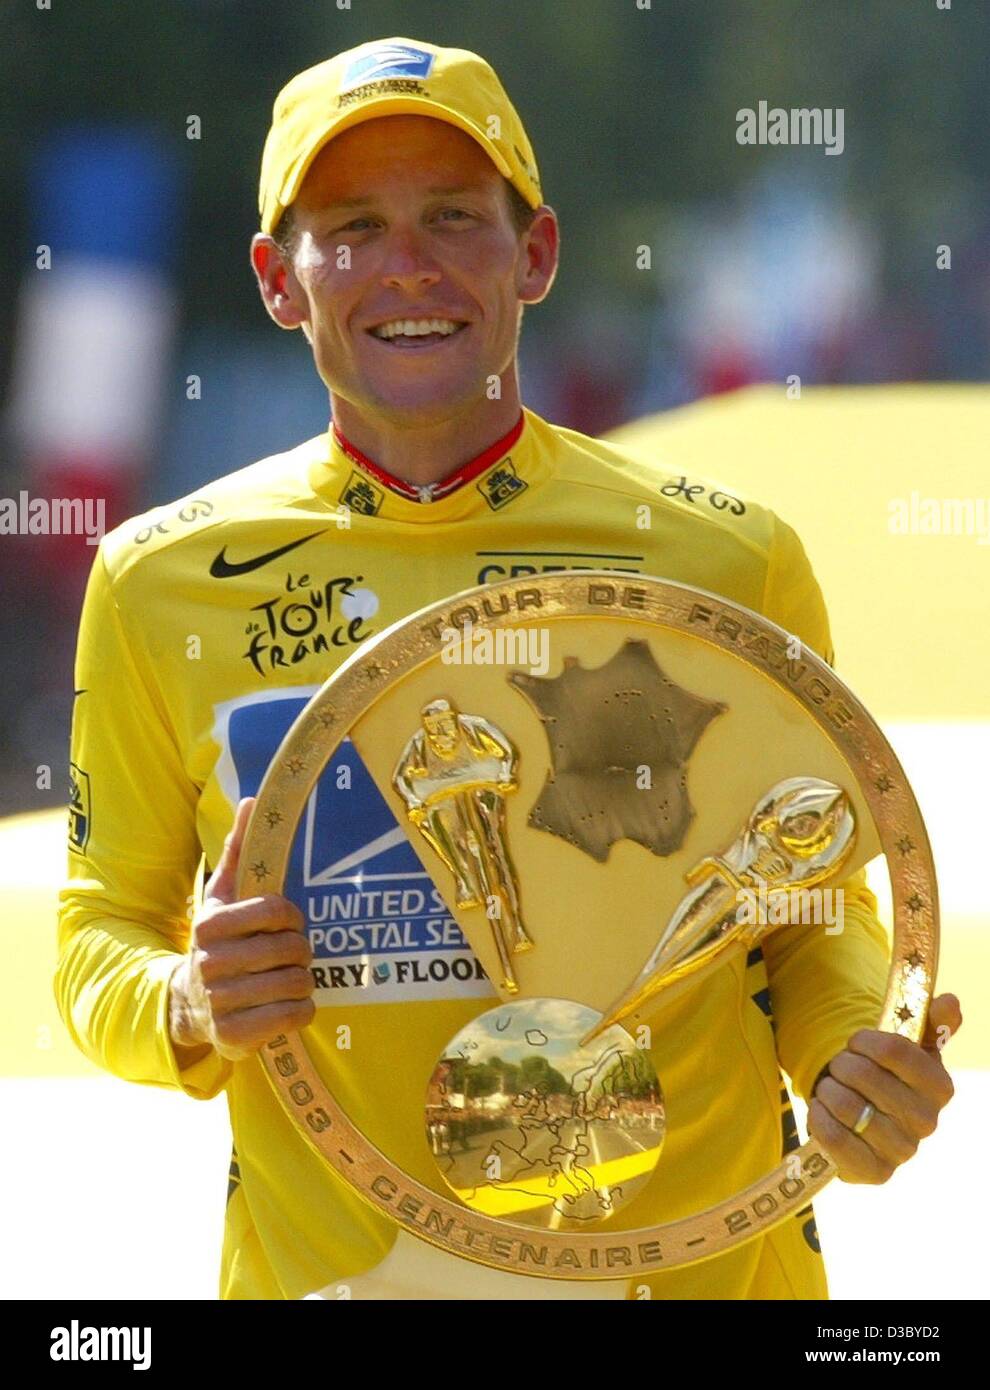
<point>409,266</point>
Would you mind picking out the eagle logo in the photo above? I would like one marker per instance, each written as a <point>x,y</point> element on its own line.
<point>388,60</point>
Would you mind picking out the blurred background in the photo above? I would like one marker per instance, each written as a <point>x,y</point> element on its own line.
<point>141,363</point>
<point>137,362</point>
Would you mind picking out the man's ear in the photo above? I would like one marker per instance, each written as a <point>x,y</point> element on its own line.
<point>541,247</point>
<point>277,283</point>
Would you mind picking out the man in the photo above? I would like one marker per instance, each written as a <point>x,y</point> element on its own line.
<point>403,230</point>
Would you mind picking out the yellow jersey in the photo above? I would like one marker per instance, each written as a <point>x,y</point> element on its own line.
<point>207,625</point>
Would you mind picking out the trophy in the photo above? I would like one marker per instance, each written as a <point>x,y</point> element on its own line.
<point>612,827</point>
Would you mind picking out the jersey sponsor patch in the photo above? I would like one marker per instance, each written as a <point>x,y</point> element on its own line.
<point>377,923</point>
<point>513,564</point>
<point>80,808</point>
<point>501,485</point>
<point>224,568</point>
<point>304,618</point>
<point>164,520</point>
<point>362,495</point>
<point>697,493</point>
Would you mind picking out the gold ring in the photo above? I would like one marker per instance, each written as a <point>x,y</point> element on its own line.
<point>866,1115</point>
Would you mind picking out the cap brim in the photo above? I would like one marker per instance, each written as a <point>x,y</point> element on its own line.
<point>389,106</point>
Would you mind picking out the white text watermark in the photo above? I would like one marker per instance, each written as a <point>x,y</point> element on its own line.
<point>53,516</point>
<point>795,125</point>
<point>939,516</point>
<point>793,907</point>
<point>75,1343</point>
<point>500,646</point>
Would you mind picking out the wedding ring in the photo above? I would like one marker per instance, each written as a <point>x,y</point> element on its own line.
<point>866,1115</point>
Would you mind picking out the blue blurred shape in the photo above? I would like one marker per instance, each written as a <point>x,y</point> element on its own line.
<point>108,192</point>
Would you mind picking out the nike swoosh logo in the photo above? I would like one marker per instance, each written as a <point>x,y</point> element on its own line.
<point>222,568</point>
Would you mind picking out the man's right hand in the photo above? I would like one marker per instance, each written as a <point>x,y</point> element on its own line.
<point>244,978</point>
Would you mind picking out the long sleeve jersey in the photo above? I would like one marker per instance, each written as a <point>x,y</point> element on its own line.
<point>207,625</point>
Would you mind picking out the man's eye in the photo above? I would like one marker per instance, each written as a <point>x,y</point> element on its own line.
<point>453,212</point>
<point>357,225</point>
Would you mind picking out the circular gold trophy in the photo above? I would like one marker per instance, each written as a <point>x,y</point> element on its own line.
<point>601,775</point>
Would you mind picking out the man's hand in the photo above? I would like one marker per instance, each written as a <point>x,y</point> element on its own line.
<point>244,978</point>
<point>905,1082</point>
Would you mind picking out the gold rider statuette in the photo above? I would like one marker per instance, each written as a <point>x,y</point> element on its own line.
<point>454,775</point>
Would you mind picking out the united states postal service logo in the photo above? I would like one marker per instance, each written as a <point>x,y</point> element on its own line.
<point>390,60</point>
<point>378,925</point>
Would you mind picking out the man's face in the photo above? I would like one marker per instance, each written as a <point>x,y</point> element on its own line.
<point>441,730</point>
<point>405,218</point>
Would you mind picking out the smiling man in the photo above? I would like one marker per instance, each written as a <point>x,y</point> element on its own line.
<point>403,229</point>
<point>404,266</point>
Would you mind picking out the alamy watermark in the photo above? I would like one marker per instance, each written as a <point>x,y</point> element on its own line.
<point>75,1343</point>
<point>795,125</point>
<point>500,646</point>
<point>779,907</point>
<point>939,516</point>
<point>54,516</point>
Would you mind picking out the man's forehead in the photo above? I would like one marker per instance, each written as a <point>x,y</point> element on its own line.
<point>434,155</point>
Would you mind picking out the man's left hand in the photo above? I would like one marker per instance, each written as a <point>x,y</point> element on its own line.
<point>904,1081</point>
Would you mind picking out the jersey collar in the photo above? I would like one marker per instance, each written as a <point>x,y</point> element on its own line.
<point>430,492</point>
<point>493,480</point>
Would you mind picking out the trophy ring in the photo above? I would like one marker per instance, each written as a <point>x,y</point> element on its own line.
<point>455,810</point>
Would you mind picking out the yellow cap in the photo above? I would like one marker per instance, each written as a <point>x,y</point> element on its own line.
<point>390,77</point>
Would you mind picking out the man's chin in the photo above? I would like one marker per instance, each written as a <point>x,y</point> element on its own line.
<point>426,403</point>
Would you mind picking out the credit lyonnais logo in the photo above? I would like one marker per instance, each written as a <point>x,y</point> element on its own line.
<point>80,813</point>
<point>75,1343</point>
<point>362,495</point>
<point>512,564</point>
<point>501,485</point>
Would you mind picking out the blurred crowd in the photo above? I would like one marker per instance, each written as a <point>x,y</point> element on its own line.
<point>137,362</point>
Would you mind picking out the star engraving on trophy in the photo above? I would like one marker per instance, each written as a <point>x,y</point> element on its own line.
<point>260,870</point>
<point>916,960</point>
<point>883,783</point>
<point>620,736</point>
<point>326,717</point>
<point>295,765</point>
<point>905,844</point>
<point>373,671</point>
<point>273,817</point>
<point>904,1013</point>
<point>915,902</point>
